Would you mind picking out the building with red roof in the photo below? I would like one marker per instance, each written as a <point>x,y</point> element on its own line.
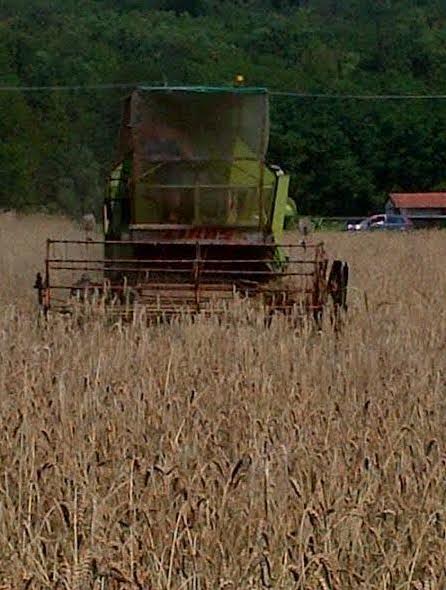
<point>427,207</point>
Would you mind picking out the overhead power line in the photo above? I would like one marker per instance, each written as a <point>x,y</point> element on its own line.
<point>278,93</point>
<point>67,87</point>
<point>305,95</point>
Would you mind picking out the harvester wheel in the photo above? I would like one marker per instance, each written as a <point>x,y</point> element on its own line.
<point>42,295</point>
<point>38,285</point>
<point>338,286</point>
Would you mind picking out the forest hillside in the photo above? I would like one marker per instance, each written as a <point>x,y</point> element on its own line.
<point>56,146</point>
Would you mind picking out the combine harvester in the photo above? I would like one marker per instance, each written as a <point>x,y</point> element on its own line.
<point>193,218</point>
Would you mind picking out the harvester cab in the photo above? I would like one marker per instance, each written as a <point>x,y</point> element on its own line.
<point>194,214</point>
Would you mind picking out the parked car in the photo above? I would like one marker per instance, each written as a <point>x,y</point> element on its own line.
<point>382,222</point>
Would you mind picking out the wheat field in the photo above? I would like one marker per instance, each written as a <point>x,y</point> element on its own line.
<point>227,456</point>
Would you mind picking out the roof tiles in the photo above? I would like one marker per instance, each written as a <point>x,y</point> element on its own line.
<point>419,200</point>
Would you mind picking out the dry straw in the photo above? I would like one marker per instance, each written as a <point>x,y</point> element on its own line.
<point>203,455</point>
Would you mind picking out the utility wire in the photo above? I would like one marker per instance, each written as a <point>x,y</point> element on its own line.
<point>278,93</point>
<point>66,88</point>
<point>304,95</point>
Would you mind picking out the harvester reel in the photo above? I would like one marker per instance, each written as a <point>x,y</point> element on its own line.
<point>82,290</point>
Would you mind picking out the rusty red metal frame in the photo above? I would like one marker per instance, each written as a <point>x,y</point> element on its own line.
<point>189,284</point>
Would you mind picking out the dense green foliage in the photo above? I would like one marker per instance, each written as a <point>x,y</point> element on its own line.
<point>344,155</point>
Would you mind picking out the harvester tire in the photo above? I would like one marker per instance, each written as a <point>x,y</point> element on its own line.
<point>338,285</point>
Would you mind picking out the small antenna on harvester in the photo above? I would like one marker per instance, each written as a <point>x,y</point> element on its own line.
<point>306,226</point>
<point>89,226</point>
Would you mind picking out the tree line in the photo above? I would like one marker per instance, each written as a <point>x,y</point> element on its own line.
<point>56,147</point>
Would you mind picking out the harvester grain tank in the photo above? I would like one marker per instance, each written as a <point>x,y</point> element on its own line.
<point>194,215</point>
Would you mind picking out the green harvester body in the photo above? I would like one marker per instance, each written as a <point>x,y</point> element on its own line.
<point>192,166</point>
